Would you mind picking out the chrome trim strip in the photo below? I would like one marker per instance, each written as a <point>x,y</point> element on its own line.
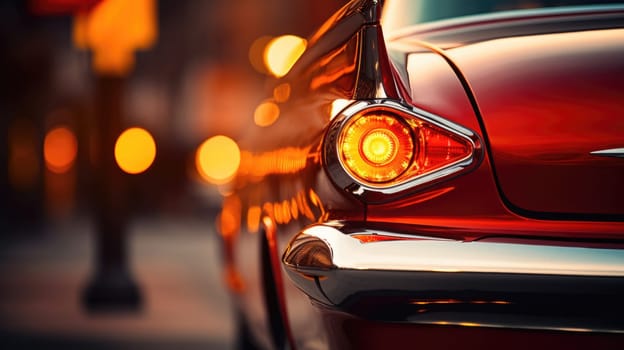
<point>436,281</point>
<point>437,255</point>
<point>612,152</point>
<point>377,193</point>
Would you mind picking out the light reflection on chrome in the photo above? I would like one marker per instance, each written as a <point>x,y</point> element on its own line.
<point>450,282</point>
<point>456,256</point>
<point>612,152</point>
<point>526,325</point>
<point>305,205</point>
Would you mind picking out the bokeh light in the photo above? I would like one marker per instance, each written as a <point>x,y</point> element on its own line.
<point>217,159</point>
<point>281,93</point>
<point>113,30</point>
<point>282,52</point>
<point>59,149</point>
<point>266,113</point>
<point>135,150</point>
<point>256,53</point>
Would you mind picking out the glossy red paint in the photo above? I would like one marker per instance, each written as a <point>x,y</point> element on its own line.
<point>508,80</point>
<point>551,110</point>
<point>547,96</point>
<point>540,125</point>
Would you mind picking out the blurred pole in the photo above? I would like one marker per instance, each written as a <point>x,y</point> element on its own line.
<point>112,30</point>
<point>112,286</point>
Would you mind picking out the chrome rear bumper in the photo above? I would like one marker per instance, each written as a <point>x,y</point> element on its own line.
<point>435,281</point>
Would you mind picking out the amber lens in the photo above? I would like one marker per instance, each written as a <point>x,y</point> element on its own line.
<point>376,148</point>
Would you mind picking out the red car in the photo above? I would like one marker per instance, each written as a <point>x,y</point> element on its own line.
<point>442,174</point>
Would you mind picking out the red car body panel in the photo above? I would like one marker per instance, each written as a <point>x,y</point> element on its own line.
<point>535,185</point>
<point>552,108</point>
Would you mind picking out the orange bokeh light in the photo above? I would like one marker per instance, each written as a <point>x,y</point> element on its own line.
<point>266,113</point>
<point>218,159</point>
<point>256,53</point>
<point>282,52</point>
<point>135,150</point>
<point>59,149</point>
<point>281,93</point>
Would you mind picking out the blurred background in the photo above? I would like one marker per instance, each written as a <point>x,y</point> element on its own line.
<point>108,201</point>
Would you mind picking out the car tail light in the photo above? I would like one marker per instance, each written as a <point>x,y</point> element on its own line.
<point>386,147</point>
<point>376,147</point>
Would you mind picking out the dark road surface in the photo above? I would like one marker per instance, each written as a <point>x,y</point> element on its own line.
<point>176,263</point>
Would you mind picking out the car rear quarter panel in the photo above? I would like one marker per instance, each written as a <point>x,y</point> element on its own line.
<point>282,177</point>
<point>547,101</point>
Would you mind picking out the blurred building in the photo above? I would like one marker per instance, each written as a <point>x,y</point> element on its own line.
<point>195,82</point>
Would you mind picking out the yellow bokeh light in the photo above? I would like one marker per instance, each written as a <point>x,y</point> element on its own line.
<point>266,113</point>
<point>135,150</point>
<point>217,159</point>
<point>59,149</point>
<point>282,52</point>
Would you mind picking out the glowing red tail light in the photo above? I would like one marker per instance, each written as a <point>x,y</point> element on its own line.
<point>386,147</point>
<point>441,148</point>
<point>376,147</point>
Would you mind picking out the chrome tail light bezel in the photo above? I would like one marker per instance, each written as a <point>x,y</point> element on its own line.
<point>380,192</point>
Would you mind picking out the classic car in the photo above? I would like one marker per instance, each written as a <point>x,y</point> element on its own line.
<point>438,174</point>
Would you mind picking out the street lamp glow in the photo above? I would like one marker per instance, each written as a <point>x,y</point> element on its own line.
<point>135,150</point>
<point>59,149</point>
<point>217,159</point>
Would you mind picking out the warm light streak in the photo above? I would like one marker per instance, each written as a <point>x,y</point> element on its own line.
<point>218,159</point>
<point>282,52</point>
<point>469,324</point>
<point>229,219</point>
<point>294,209</point>
<point>135,150</point>
<point>253,218</point>
<point>287,160</point>
<point>59,149</point>
<point>330,77</point>
<point>283,212</point>
<point>368,238</point>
